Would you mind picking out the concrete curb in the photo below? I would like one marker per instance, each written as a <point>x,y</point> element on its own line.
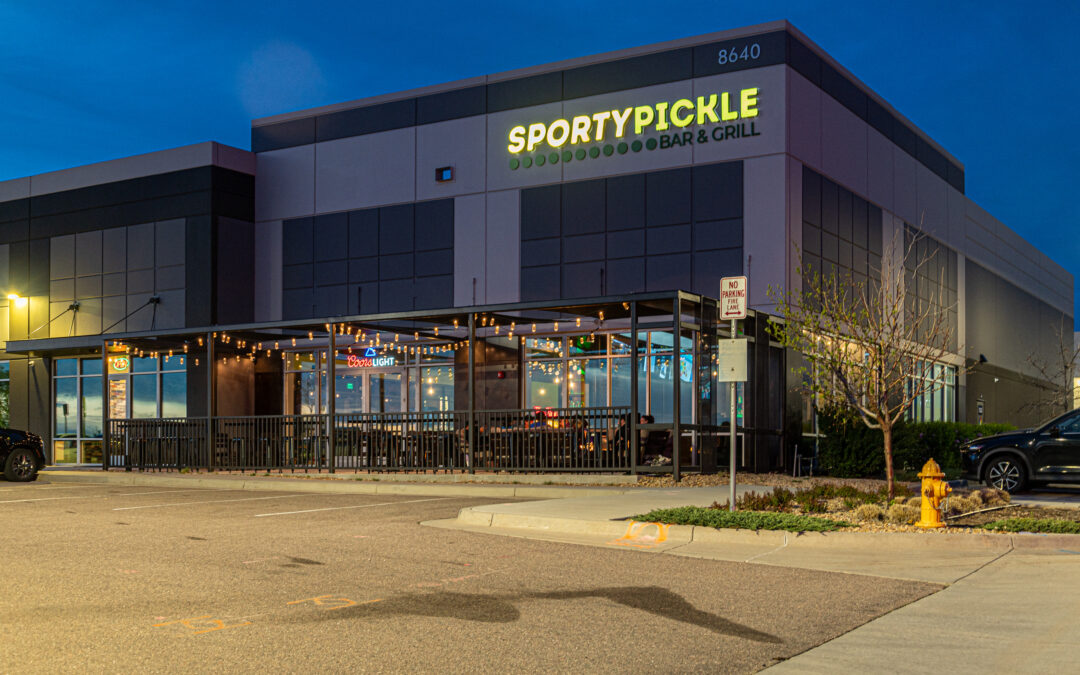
<point>341,486</point>
<point>884,542</point>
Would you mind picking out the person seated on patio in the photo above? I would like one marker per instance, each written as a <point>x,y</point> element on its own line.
<point>538,421</point>
<point>620,442</point>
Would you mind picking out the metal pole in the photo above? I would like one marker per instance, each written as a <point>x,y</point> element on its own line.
<point>104,405</point>
<point>331,389</point>
<point>635,414</point>
<point>211,401</point>
<point>731,460</point>
<point>472,393</point>
<point>676,377</point>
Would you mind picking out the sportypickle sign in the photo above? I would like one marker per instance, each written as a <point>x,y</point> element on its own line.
<point>732,112</point>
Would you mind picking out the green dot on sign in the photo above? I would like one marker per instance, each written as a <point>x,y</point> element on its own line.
<point>567,155</point>
<point>636,146</point>
<point>540,159</point>
<point>514,163</point>
<point>622,148</point>
<point>594,152</point>
<point>553,158</point>
<point>650,144</point>
<point>608,151</point>
<point>527,162</point>
<point>580,154</point>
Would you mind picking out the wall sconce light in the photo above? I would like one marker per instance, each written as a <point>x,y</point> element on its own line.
<point>19,301</point>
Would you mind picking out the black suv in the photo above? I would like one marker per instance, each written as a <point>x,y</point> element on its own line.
<point>1049,453</point>
<point>21,454</point>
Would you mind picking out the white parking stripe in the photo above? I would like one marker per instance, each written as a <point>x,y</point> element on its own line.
<point>42,499</point>
<point>105,496</point>
<point>359,506</point>
<point>164,492</point>
<point>68,487</point>
<point>215,501</point>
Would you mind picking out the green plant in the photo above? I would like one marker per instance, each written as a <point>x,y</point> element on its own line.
<point>850,449</point>
<point>1041,525</point>
<point>747,520</point>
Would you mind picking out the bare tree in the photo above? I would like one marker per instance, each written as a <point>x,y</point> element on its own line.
<point>871,346</point>
<point>1056,370</point>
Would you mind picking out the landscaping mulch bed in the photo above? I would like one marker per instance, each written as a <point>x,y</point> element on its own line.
<point>1038,512</point>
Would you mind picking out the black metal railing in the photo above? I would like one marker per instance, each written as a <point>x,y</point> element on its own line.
<point>565,439</point>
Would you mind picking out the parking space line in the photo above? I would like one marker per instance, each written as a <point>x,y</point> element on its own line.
<point>164,492</point>
<point>358,506</point>
<point>104,496</point>
<point>213,501</point>
<point>43,499</point>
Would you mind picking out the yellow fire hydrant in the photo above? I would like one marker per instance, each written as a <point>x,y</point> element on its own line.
<point>934,492</point>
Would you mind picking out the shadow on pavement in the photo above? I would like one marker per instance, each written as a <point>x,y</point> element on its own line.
<point>490,608</point>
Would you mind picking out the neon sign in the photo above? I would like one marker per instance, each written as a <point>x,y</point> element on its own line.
<point>712,109</point>
<point>370,359</point>
<point>119,364</point>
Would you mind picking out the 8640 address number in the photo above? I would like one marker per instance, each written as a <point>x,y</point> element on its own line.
<point>734,55</point>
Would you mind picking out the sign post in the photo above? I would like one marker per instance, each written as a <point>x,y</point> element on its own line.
<point>733,307</point>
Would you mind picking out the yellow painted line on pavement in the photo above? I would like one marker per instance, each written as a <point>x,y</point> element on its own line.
<point>358,506</point>
<point>213,501</point>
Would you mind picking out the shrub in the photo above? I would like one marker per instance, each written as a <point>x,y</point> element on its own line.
<point>869,512</point>
<point>851,449</point>
<point>1041,525</point>
<point>747,520</point>
<point>902,514</point>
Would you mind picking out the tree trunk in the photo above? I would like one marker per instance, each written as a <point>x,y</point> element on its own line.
<point>886,432</point>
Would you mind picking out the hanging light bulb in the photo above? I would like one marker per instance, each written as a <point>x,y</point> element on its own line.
<point>196,360</point>
<point>556,326</point>
<point>455,323</point>
<point>310,335</point>
<point>579,321</point>
<point>294,342</point>
<point>534,328</point>
<point>601,315</point>
<point>436,330</point>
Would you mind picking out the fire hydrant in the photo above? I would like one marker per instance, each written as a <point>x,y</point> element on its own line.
<point>934,492</point>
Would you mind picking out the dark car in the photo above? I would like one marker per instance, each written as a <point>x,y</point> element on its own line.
<point>21,454</point>
<point>1012,461</point>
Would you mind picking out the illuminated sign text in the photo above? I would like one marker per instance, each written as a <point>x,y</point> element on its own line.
<point>608,124</point>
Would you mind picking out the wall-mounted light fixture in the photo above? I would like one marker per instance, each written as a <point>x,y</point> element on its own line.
<point>19,301</point>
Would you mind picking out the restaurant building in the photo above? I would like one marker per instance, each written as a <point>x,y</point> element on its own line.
<point>403,281</point>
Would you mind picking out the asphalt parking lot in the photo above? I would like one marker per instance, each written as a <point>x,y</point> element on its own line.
<point>122,578</point>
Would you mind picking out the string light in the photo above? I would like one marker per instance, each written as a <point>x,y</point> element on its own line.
<point>534,328</point>
<point>455,323</point>
<point>556,326</point>
<point>294,342</point>
<point>579,321</point>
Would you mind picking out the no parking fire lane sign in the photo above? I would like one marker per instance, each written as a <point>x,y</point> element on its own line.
<point>733,298</point>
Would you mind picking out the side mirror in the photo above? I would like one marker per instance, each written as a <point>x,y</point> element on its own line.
<point>1054,431</point>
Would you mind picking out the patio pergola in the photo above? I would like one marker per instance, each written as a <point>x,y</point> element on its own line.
<point>493,424</point>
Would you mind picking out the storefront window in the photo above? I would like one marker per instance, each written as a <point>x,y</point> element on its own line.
<point>587,383</point>
<point>544,384</point>
<point>77,418</point>
<point>437,389</point>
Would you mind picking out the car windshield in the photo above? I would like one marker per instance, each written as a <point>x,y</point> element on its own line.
<point>1062,420</point>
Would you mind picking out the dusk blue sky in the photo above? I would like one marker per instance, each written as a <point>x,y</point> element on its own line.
<point>995,84</point>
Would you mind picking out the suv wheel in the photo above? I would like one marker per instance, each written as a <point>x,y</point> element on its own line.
<point>1005,472</point>
<point>21,466</point>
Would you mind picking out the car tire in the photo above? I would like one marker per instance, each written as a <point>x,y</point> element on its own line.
<point>21,466</point>
<point>1005,472</point>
